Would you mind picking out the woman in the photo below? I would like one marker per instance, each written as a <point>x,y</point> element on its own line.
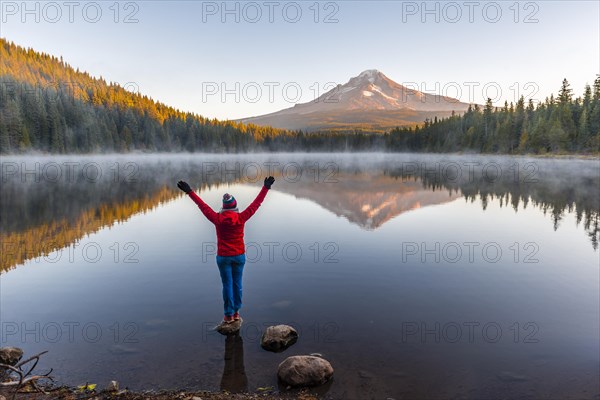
<point>230,243</point>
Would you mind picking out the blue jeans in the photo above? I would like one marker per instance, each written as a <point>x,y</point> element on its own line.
<point>231,269</point>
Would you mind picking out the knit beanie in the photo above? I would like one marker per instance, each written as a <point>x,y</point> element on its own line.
<point>229,203</point>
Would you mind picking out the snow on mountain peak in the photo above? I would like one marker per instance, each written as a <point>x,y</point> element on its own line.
<point>369,74</point>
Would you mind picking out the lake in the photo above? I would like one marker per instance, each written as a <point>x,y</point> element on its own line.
<point>416,276</point>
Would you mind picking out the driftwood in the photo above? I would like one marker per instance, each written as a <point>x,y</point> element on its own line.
<point>22,376</point>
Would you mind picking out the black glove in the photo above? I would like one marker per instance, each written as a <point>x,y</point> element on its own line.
<point>269,181</point>
<point>184,186</point>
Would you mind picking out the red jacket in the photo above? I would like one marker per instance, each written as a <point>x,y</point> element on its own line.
<point>230,224</point>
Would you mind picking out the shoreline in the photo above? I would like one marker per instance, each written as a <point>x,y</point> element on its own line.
<point>559,156</point>
<point>71,393</point>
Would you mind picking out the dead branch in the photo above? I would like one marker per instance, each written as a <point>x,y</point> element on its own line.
<point>25,377</point>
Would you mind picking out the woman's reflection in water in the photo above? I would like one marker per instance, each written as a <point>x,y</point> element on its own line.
<point>234,376</point>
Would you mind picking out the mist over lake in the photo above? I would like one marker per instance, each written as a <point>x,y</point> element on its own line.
<point>416,276</point>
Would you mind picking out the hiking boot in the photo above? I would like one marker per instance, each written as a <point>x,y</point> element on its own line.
<point>236,316</point>
<point>228,319</point>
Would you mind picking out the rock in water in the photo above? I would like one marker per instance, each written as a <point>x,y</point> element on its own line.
<point>113,386</point>
<point>278,338</point>
<point>301,371</point>
<point>10,355</point>
<point>229,329</point>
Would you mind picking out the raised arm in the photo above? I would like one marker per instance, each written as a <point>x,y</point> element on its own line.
<point>253,207</point>
<point>205,208</point>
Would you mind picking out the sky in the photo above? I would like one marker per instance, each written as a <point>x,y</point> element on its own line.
<point>235,59</point>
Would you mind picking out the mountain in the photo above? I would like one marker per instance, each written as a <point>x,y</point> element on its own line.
<point>369,101</point>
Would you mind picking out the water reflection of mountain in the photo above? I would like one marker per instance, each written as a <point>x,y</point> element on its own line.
<point>367,200</point>
<point>38,217</point>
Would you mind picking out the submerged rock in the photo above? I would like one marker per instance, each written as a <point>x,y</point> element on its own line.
<point>508,376</point>
<point>229,329</point>
<point>10,355</point>
<point>365,374</point>
<point>121,349</point>
<point>302,371</point>
<point>278,338</point>
<point>281,304</point>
